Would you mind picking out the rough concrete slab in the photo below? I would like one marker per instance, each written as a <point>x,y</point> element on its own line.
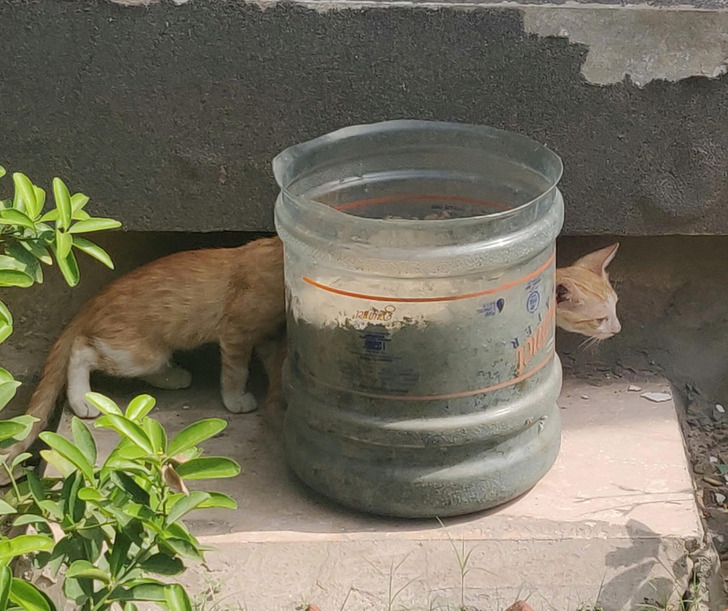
<point>614,520</point>
<point>168,116</point>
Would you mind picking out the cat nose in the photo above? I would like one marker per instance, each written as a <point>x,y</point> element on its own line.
<point>616,326</point>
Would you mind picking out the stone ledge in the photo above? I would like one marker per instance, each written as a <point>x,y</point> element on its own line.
<point>616,515</point>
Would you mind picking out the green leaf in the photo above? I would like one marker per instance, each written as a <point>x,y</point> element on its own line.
<point>27,192</point>
<point>128,429</point>
<point>5,316</point>
<point>140,406</point>
<point>6,508</point>
<point>15,278</point>
<point>84,440</point>
<point>155,432</point>
<point>52,508</point>
<point>3,171</point>
<point>6,579</point>
<point>8,428</point>
<point>68,451</point>
<point>26,261</point>
<point>119,553</point>
<point>69,269</point>
<point>24,544</point>
<point>90,494</point>
<point>78,201</point>
<point>63,202</point>
<point>177,598</point>
<point>7,392</point>
<point>130,607</point>
<point>72,506</point>
<point>162,564</point>
<point>40,198</point>
<point>27,423</point>
<point>11,216</point>
<point>37,248</point>
<point>94,224</point>
<point>194,434</point>
<point>84,569</point>
<point>28,597</point>
<point>103,404</point>
<point>183,548</point>
<point>218,499</point>
<point>93,250</point>
<point>64,241</point>
<point>80,591</point>
<point>20,458</point>
<point>51,215</point>
<point>184,505</point>
<point>6,331</point>
<point>152,591</point>
<point>29,518</point>
<point>120,464</point>
<point>36,487</point>
<point>127,483</point>
<point>208,467</point>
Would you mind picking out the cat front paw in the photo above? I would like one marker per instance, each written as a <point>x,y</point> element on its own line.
<point>83,409</point>
<point>240,403</point>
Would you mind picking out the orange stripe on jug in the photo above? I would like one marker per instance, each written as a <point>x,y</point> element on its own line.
<point>414,197</point>
<point>454,395</point>
<point>502,287</point>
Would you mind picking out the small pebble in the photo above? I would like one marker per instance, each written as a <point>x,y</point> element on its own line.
<point>719,498</point>
<point>713,459</point>
<point>584,396</point>
<point>720,408</point>
<point>712,481</point>
<point>185,407</point>
<point>633,388</point>
<point>657,397</point>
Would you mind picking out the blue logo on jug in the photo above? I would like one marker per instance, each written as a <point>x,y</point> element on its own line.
<point>376,342</point>
<point>492,308</point>
<point>533,301</point>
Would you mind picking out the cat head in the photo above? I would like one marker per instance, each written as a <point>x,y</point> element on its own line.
<point>585,301</point>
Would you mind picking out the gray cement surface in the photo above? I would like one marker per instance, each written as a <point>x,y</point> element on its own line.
<point>614,523</point>
<point>169,116</point>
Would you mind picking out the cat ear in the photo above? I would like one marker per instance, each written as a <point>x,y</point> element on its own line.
<point>597,261</point>
<point>567,293</point>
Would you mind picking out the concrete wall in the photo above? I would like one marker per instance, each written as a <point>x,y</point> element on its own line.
<point>168,115</point>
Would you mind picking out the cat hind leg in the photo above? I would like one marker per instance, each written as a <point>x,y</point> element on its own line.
<point>83,360</point>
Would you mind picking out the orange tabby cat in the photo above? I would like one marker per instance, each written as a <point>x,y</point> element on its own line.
<point>585,301</point>
<point>234,297</point>
<point>231,296</point>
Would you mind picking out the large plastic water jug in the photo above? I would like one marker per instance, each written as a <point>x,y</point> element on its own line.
<point>421,377</point>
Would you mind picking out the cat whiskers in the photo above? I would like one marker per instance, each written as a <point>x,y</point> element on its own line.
<point>589,342</point>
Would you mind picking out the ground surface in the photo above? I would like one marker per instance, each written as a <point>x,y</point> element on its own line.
<point>614,522</point>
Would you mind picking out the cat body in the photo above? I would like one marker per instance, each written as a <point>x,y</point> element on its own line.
<point>234,297</point>
<point>230,296</point>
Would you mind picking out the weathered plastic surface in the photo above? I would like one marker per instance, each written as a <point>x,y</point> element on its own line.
<point>421,378</point>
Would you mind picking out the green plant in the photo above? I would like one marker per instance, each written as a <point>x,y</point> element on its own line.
<point>29,239</point>
<point>113,524</point>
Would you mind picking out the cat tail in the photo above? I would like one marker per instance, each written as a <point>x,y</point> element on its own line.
<point>43,401</point>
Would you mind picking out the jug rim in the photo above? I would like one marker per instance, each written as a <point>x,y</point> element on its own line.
<point>283,162</point>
